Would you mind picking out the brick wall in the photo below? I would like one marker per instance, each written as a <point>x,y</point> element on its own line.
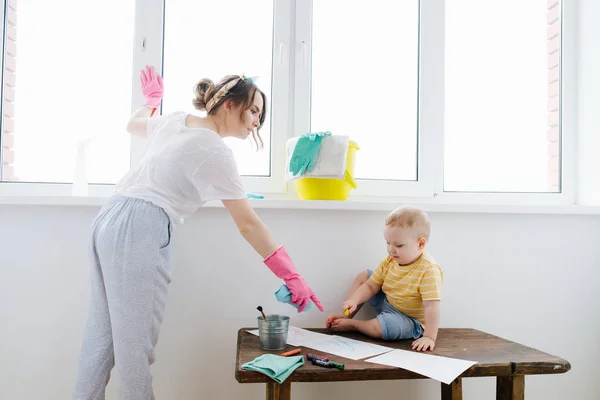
<point>8,106</point>
<point>553,35</point>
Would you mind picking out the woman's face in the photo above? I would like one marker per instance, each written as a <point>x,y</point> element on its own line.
<point>249,120</point>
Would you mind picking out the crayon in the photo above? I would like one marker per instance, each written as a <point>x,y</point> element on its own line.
<point>311,357</point>
<point>291,352</point>
<point>328,364</point>
<point>337,365</point>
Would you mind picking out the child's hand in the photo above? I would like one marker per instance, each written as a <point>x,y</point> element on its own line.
<point>423,343</point>
<point>349,305</point>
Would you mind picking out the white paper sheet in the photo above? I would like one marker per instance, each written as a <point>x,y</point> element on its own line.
<point>332,344</point>
<point>443,369</point>
<point>302,337</point>
<point>349,348</point>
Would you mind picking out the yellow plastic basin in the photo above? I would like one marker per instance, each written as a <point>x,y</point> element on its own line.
<point>330,189</point>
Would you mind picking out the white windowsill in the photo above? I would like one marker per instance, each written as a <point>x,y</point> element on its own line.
<point>352,204</point>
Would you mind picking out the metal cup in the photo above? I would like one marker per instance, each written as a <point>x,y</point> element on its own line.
<point>272,334</point>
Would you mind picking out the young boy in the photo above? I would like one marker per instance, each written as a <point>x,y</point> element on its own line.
<point>405,288</point>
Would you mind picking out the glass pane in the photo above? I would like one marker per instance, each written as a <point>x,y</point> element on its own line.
<point>66,79</point>
<point>365,81</point>
<point>502,96</point>
<point>211,39</point>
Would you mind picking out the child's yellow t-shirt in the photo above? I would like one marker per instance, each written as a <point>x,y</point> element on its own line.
<point>406,286</point>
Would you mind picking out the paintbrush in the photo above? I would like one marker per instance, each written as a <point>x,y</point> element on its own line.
<point>259,308</point>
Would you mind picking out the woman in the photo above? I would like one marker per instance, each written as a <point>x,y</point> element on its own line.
<point>186,164</point>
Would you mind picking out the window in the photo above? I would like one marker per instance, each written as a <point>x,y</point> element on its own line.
<point>448,99</point>
<point>365,82</point>
<point>66,79</point>
<point>232,37</point>
<point>502,112</point>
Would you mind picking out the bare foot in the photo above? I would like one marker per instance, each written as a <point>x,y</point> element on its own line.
<point>332,318</point>
<point>341,323</point>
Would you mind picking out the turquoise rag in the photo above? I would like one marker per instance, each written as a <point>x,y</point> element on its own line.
<point>283,295</point>
<point>305,152</point>
<point>276,367</point>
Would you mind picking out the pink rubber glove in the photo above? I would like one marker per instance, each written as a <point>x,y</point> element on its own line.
<point>152,86</point>
<point>281,264</point>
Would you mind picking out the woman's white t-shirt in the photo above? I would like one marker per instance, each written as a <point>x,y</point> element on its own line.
<point>182,168</point>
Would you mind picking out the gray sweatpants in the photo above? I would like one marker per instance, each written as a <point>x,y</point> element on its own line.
<point>130,253</point>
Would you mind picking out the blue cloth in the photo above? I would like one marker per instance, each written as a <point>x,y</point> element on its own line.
<point>395,325</point>
<point>276,367</point>
<point>283,295</point>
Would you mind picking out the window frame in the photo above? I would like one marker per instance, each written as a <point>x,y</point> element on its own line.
<point>430,183</point>
<point>428,125</point>
<point>290,108</point>
<point>567,130</point>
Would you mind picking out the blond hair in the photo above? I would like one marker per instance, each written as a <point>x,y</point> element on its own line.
<point>412,218</point>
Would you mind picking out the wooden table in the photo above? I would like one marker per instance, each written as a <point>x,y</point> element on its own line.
<point>506,360</point>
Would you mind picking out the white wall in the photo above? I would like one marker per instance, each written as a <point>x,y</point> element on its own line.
<point>529,278</point>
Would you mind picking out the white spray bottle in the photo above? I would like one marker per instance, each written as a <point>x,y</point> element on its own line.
<point>80,181</point>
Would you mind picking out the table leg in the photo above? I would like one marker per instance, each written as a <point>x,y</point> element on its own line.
<point>510,387</point>
<point>453,391</point>
<point>272,391</point>
<point>285,391</point>
<point>276,391</point>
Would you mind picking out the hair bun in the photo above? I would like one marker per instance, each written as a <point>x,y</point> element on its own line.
<point>202,93</point>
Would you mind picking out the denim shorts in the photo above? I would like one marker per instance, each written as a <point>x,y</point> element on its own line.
<point>394,324</point>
